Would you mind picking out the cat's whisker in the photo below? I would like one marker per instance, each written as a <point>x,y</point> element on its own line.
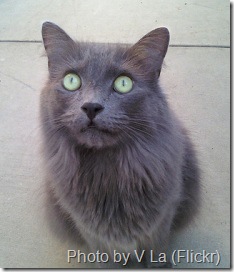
<point>134,117</point>
<point>134,130</point>
<point>142,124</point>
<point>129,135</point>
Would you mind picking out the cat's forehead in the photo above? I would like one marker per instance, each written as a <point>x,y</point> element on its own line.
<point>102,51</point>
<point>95,60</point>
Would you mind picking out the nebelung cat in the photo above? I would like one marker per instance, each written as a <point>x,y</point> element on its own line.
<point>120,165</point>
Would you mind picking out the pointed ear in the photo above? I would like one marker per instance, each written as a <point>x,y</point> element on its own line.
<point>149,52</point>
<point>57,43</point>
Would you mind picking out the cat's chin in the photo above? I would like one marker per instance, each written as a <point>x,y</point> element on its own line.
<point>96,138</point>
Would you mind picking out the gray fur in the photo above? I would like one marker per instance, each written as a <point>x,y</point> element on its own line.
<point>127,182</point>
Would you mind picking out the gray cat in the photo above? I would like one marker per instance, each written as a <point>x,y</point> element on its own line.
<point>121,168</point>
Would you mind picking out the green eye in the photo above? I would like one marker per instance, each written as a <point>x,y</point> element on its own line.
<point>123,84</point>
<point>71,82</point>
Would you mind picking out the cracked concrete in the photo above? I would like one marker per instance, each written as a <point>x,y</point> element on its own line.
<point>196,81</point>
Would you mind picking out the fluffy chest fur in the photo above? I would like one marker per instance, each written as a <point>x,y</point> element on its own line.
<point>124,191</point>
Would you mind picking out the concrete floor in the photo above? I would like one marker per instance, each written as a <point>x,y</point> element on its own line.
<point>197,83</point>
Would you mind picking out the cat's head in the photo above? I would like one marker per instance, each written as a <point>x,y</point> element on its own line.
<point>102,94</point>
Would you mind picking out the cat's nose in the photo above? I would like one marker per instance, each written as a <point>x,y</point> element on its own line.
<point>92,109</point>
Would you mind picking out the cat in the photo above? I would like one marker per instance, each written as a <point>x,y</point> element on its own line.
<point>120,166</point>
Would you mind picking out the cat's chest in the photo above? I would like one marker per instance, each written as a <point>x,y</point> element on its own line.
<point>111,192</point>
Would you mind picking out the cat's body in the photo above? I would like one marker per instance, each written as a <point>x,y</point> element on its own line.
<point>120,165</point>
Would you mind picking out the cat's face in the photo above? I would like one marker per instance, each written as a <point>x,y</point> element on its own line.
<point>102,94</point>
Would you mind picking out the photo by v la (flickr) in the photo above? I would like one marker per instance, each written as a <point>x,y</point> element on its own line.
<point>177,256</point>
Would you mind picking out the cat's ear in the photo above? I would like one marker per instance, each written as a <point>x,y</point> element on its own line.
<point>57,43</point>
<point>149,51</point>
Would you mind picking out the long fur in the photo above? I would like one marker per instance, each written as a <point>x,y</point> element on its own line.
<point>126,185</point>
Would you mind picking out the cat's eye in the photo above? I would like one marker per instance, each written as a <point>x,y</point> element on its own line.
<point>71,82</point>
<point>123,84</point>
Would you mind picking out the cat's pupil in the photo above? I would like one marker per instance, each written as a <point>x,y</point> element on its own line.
<point>71,80</point>
<point>123,83</point>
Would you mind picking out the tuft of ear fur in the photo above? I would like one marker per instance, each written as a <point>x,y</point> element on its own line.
<point>149,52</point>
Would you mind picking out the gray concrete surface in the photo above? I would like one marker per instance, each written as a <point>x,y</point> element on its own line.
<point>197,83</point>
